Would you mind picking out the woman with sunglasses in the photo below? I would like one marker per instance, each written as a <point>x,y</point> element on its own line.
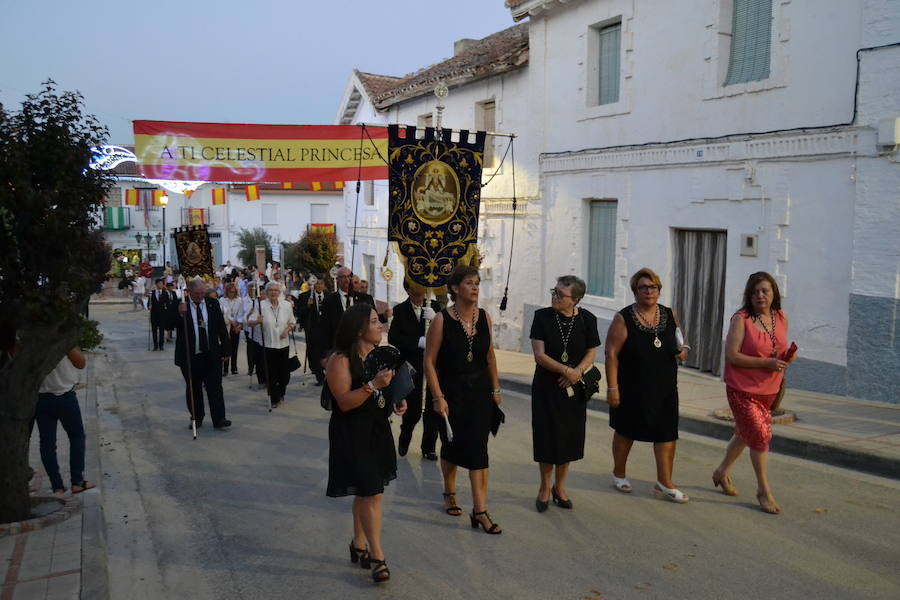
<point>642,375</point>
<point>564,341</point>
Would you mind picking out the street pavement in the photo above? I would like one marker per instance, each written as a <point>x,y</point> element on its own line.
<point>243,513</point>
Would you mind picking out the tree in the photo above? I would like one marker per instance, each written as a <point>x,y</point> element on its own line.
<point>315,254</point>
<point>52,258</point>
<point>248,240</point>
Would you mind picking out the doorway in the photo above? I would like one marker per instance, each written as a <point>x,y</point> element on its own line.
<point>699,298</point>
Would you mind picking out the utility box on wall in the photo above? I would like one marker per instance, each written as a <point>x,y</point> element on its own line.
<point>749,244</point>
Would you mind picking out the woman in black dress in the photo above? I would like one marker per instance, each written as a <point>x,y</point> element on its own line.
<point>361,455</point>
<point>642,373</point>
<point>462,375</point>
<point>564,340</point>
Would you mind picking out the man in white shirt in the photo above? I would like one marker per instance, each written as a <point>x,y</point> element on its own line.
<point>58,403</point>
<point>138,289</point>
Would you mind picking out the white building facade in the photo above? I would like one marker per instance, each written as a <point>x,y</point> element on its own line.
<point>710,139</point>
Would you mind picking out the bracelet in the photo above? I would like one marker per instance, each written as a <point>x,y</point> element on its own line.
<point>683,346</point>
<point>611,389</point>
<point>436,398</point>
<point>496,392</point>
<point>369,388</point>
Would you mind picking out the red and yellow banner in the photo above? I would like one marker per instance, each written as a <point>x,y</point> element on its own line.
<point>322,228</point>
<point>131,197</point>
<point>218,196</point>
<point>259,153</point>
<point>252,193</point>
<point>195,216</point>
<point>157,197</point>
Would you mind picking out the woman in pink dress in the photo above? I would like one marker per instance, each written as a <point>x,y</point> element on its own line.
<point>754,349</point>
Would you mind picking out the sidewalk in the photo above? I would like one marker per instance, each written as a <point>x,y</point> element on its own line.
<point>836,430</point>
<point>60,555</point>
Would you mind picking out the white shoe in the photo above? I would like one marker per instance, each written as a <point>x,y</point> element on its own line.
<point>622,484</point>
<point>673,494</point>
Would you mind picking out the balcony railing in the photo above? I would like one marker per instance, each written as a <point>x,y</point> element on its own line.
<point>116,217</point>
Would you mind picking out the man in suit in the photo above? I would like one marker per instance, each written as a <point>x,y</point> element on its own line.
<point>309,315</point>
<point>160,302</point>
<point>335,304</point>
<point>202,335</point>
<point>407,334</point>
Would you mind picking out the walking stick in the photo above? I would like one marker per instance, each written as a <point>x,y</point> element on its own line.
<point>188,357</point>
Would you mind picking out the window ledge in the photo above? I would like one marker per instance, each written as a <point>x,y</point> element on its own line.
<point>613,109</point>
<point>749,87</point>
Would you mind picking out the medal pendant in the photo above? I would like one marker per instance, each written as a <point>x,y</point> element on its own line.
<point>380,401</point>
<point>469,357</point>
<point>657,343</point>
<point>565,356</point>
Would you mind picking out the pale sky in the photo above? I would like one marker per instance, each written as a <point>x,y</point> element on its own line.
<point>262,61</point>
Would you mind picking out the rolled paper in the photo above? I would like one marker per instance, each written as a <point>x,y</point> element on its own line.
<point>449,429</point>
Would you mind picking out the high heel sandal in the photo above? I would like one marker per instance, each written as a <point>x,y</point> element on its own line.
<point>767,504</point>
<point>724,482</point>
<point>380,571</point>
<point>557,500</point>
<point>358,555</point>
<point>493,529</point>
<point>672,494</point>
<point>450,506</point>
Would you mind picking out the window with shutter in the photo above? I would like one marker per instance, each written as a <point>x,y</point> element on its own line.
<point>609,63</point>
<point>751,37</point>
<point>602,248</point>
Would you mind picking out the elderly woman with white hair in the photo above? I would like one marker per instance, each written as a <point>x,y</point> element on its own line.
<point>278,321</point>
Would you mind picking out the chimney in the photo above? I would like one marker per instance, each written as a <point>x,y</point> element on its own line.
<point>460,46</point>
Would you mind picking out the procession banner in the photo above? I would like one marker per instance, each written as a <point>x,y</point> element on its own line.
<point>435,193</point>
<point>258,153</point>
<point>194,252</point>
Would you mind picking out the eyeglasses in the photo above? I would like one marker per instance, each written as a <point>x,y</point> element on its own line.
<point>557,294</point>
<point>648,288</point>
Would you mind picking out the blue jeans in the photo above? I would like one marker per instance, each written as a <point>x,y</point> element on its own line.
<point>64,409</point>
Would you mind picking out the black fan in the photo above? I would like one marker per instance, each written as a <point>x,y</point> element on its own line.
<point>388,357</point>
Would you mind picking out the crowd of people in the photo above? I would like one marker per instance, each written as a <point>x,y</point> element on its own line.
<point>456,390</point>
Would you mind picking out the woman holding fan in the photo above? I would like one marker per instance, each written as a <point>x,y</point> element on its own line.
<point>361,455</point>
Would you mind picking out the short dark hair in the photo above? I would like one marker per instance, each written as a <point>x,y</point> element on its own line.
<point>754,280</point>
<point>458,275</point>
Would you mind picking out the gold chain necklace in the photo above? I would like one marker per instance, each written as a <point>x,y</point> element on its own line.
<point>469,337</point>
<point>654,330</point>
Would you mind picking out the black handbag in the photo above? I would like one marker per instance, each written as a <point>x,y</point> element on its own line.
<point>496,419</point>
<point>326,398</point>
<point>294,361</point>
<point>591,381</point>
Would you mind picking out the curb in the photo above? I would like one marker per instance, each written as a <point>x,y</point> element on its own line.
<point>806,449</point>
<point>94,565</point>
<point>69,505</point>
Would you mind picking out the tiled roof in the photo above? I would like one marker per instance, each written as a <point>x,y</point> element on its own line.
<point>497,53</point>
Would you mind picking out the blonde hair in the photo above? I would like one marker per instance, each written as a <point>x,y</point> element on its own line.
<point>648,273</point>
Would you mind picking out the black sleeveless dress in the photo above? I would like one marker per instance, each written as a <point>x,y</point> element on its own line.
<point>648,381</point>
<point>362,458</point>
<point>557,420</point>
<point>467,391</point>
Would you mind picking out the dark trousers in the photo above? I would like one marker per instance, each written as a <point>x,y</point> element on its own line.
<point>64,410</point>
<point>206,372</point>
<point>159,334</point>
<point>279,373</point>
<point>259,359</point>
<point>314,355</point>
<point>412,415</point>
<point>251,352</point>
<point>235,340</point>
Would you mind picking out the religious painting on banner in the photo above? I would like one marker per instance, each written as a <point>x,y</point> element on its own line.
<point>435,193</point>
<point>195,252</point>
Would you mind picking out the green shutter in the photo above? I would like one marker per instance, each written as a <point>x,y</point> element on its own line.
<point>751,40</point>
<point>114,218</point>
<point>602,245</point>
<point>609,63</point>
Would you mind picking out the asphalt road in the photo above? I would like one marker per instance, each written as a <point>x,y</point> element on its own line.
<point>243,513</point>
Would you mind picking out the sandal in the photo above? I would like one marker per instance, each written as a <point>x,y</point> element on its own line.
<point>450,506</point>
<point>493,529</point>
<point>380,571</point>
<point>767,504</point>
<point>673,494</point>
<point>360,556</point>
<point>622,484</point>
<point>724,481</point>
<point>80,487</point>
